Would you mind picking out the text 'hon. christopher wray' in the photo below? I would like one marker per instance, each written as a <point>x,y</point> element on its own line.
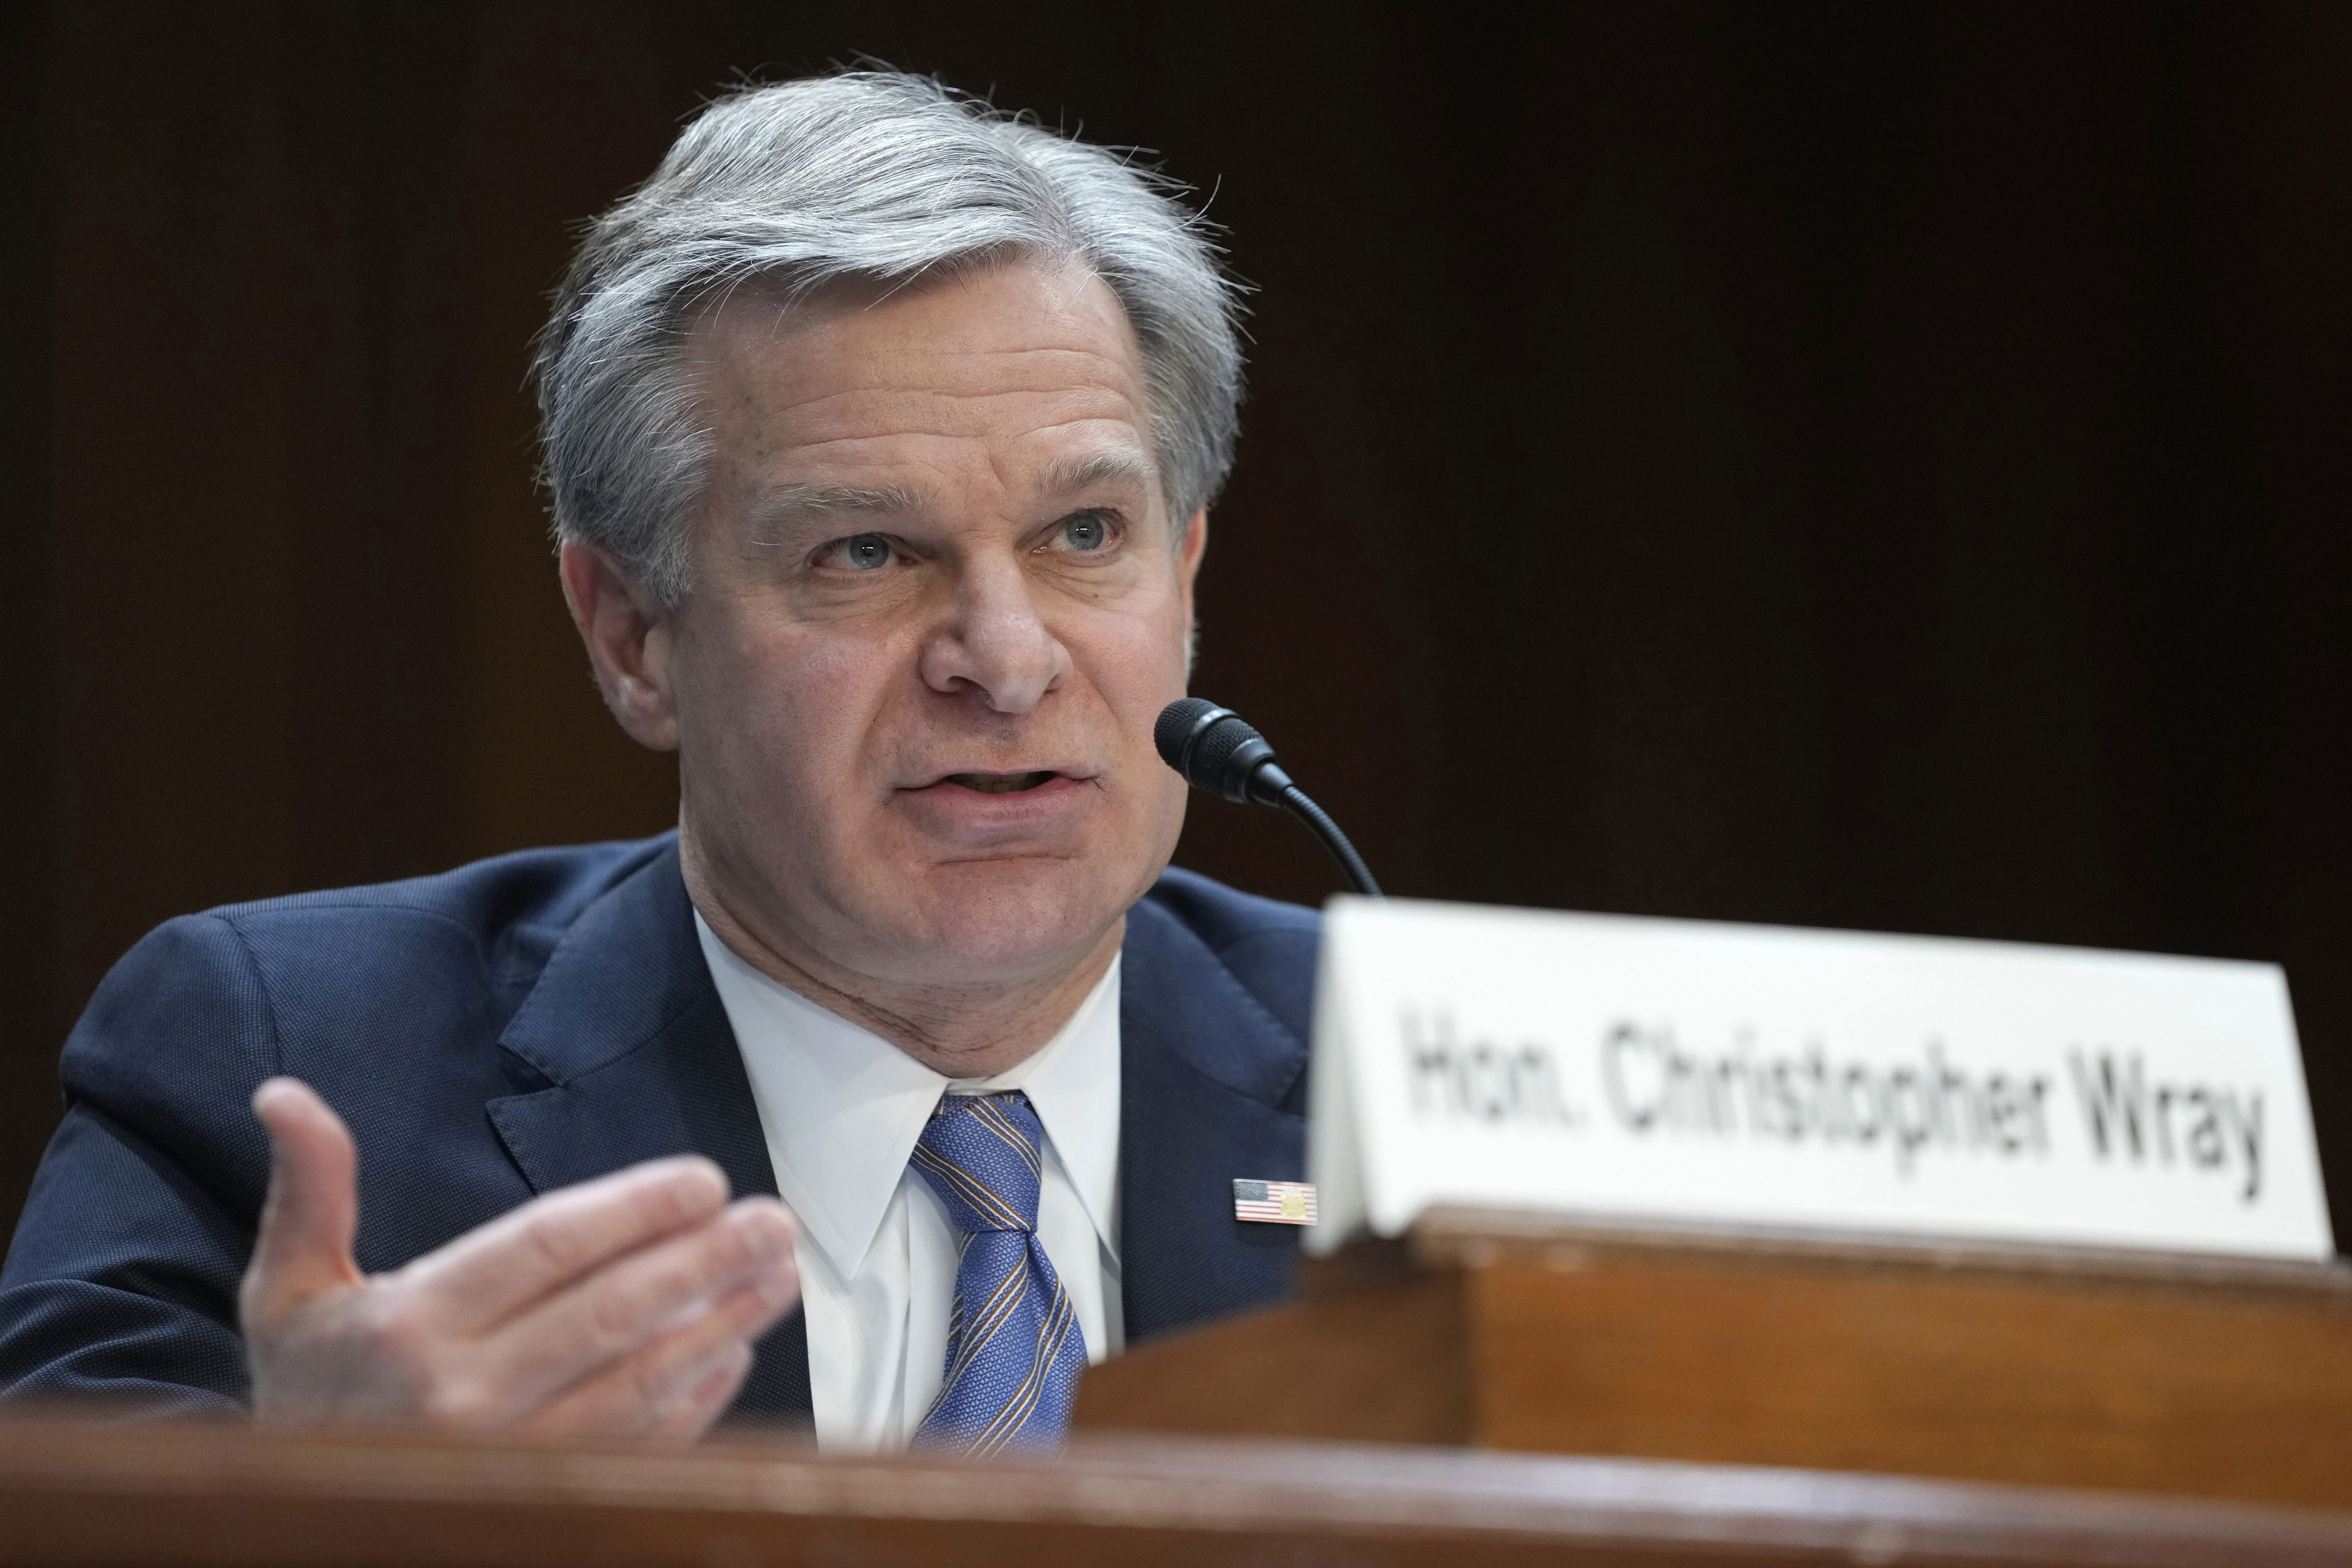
<point>1927,1106</point>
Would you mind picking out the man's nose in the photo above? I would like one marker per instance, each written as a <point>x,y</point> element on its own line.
<point>994,640</point>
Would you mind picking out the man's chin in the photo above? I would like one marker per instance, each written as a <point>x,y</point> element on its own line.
<point>995,919</point>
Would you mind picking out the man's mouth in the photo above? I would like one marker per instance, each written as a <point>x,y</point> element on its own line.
<point>1002,783</point>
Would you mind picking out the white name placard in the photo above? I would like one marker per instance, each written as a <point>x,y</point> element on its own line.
<point>1689,1071</point>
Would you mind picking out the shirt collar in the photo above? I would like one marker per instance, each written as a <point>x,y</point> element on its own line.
<point>1073,1085</point>
<point>841,1107</point>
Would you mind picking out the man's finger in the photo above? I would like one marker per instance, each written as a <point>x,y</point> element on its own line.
<point>303,1247</point>
<point>648,1296</point>
<point>551,1243</point>
<point>664,1382</point>
<point>704,1403</point>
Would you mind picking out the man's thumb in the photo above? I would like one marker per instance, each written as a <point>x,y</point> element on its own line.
<point>312,1215</point>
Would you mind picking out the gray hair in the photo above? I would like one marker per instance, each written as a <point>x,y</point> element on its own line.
<point>869,175</point>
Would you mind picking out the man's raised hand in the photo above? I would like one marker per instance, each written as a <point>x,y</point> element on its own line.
<point>624,1306</point>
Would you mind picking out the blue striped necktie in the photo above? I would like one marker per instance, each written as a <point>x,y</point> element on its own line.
<point>1014,1348</point>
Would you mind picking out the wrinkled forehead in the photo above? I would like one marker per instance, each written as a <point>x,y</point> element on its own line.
<point>1022,323</point>
<point>1035,362</point>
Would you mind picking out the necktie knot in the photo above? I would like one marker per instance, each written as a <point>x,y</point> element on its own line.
<point>979,1153</point>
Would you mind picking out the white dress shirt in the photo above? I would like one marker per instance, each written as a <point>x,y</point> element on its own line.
<point>841,1109</point>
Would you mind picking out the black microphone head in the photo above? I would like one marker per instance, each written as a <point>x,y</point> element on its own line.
<point>1216,749</point>
<point>1181,724</point>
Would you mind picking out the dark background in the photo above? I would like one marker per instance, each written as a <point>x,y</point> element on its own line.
<point>1847,465</point>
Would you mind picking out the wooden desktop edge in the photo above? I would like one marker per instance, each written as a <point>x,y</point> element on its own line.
<point>226,1492</point>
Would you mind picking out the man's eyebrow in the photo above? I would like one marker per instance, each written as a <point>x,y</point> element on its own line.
<point>797,507</point>
<point>1103,468</point>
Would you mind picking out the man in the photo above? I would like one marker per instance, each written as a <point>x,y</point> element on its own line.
<point>881,430</point>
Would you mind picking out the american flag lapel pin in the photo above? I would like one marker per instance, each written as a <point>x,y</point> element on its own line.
<point>1276,1202</point>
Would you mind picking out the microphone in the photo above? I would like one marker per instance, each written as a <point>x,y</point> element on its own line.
<point>1216,749</point>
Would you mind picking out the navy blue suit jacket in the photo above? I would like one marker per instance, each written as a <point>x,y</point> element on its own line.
<point>531,1022</point>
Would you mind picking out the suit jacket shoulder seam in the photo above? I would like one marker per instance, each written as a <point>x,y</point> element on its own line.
<point>261,987</point>
<point>237,913</point>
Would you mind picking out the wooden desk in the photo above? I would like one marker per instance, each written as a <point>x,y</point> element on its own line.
<point>85,1496</point>
<point>2178,1376</point>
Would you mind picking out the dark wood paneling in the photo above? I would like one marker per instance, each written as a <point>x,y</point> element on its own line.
<point>30,1022</point>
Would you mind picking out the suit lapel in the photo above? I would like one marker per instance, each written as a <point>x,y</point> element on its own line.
<point>628,1031</point>
<point>1206,1071</point>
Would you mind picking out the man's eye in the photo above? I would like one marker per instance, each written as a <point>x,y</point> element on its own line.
<point>1086,531</point>
<point>866,552</point>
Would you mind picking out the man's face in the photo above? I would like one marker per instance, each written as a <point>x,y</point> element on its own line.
<point>938,601</point>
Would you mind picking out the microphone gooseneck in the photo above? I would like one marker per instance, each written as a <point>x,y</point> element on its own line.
<point>1215,749</point>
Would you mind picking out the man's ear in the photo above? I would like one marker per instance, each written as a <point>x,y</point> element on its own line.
<point>628,638</point>
<point>1189,553</point>
<point>1187,571</point>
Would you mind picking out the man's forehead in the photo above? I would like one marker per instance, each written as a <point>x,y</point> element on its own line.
<point>1109,470</point>
<point>1023,378</point>
<point>1019,327</point>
